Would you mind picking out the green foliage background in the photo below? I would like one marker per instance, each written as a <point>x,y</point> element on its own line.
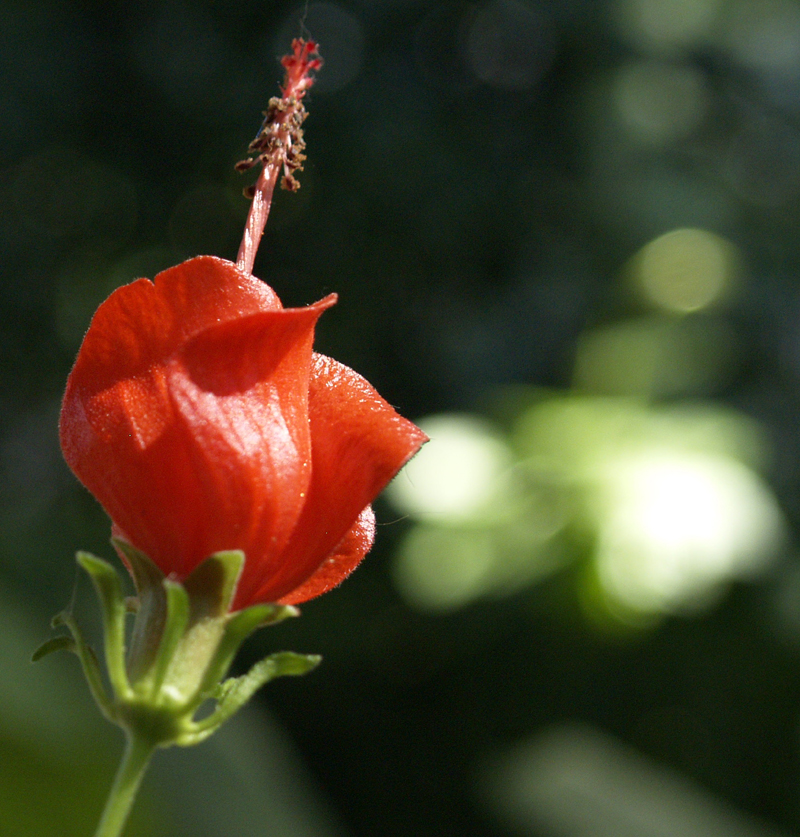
<point>474,190</point>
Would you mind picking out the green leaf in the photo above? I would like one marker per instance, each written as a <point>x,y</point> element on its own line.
<point>57,643</point>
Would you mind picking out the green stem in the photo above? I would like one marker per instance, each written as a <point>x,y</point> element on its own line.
<point>138,752</point>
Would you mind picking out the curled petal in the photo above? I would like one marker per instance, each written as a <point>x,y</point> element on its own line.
<point>337,566</point>
<point>358,443</point>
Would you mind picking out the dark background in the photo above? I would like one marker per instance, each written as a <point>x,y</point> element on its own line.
<point>477,183</point>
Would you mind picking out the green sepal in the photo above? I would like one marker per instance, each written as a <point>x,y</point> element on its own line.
<point>57,643</point>
<point>231,631</point>
<point>235,692</point>
<point>181,627</point>
<point>145,573</point>
<point>150,609</point>
<point>177,602</point>
<point>212,585</point>
<point>183,642</point>
<point>109,590</point>
<point>235,631</point>
<point>279,613</point>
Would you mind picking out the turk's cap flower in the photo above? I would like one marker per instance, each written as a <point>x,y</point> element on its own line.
<point>199,416</point>
<point>238,468</point>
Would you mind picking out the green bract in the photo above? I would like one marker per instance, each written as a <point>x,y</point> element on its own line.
<point>183,642</point>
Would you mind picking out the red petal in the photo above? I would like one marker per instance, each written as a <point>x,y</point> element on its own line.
<point>144,322</point>
<point>336,567</point>
<point>208,448</point>
<point>358,444</point>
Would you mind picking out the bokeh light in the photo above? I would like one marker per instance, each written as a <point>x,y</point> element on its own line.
<point>671,494</point>
<point>441,569</point>
<point>660,103</point>
<point>765,35</point>
<point>666,25</point>
<point>578,781</point>
<point>686,270</point>
<point>459,475</point>
<point>654,356</point>
<point>675,526</point>
<point>509,44</point>
<point>671,497</point>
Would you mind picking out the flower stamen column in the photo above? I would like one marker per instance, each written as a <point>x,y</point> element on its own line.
<point>278,145</point>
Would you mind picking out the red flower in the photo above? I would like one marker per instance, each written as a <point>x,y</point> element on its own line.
<point>199,417</point>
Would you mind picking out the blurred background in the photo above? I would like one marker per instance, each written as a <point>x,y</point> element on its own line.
<point>565,239</point>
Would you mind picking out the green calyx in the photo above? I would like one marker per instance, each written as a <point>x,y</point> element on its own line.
<point>183,642</point>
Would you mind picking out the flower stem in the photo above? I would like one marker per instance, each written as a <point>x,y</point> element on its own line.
<point>138,751</point>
